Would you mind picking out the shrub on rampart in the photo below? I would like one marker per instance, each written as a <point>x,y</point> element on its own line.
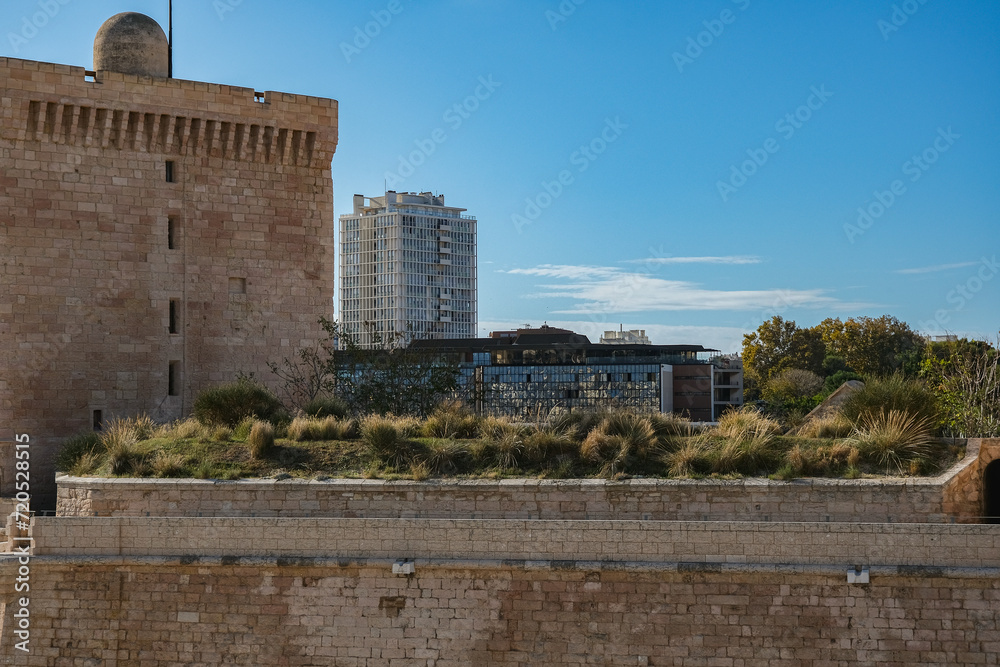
<point>229,404</point>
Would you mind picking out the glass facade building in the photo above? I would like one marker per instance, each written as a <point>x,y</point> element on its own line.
<point>532,372</point>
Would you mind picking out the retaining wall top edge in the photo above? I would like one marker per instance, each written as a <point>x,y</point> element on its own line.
<point>535,484</point>
<point>530,524</point>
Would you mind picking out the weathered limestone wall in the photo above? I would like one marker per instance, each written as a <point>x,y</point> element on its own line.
<point>91,259</point>
<point>963,495</point>
<point>505,593</point>
<point>913,500</point>
<point>928,545</point>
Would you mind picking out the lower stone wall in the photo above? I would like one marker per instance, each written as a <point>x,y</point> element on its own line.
<point>840,544</point>
<point>173,612</point>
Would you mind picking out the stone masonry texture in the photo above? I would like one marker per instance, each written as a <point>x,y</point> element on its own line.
<point>952,496</point>
<point>120,194</point>
<point>358,614</point>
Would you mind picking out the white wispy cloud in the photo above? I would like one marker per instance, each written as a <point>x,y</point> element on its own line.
<point>729,259</point>
<point>604,289</point>
<point>935,269</point>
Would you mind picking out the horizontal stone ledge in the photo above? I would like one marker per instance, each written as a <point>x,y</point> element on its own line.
<point>667,567</point>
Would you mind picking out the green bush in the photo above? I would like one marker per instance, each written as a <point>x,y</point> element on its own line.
<point>891,393</point>
<point>326,406</point>
<point>229,404</point>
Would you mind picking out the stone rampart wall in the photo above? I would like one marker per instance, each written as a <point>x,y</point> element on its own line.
<point>915,500</point>
<point>841,544</point>
<point>955,496</point>
<point>173,613</point>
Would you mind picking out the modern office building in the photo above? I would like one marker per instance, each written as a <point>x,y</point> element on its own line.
<point>407,265</point>
<point>531,372</point>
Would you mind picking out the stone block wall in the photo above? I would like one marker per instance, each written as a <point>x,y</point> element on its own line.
<point>488,599</point>
<point>964,491</point>
<point>842,544</point>
<point>919,500</point>
<point>158,236</point>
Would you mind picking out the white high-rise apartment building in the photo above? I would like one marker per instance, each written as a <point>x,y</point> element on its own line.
<point>408,265</point>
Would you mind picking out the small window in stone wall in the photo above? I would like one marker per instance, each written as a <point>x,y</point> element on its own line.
<point>237,285</point>
<point>171,233</point>
<point>174,316</point>
<point>173,379</point>
<point>170,172</point>
<point>98,417</point>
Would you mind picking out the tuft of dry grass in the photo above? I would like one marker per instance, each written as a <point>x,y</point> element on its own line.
<point>893,439</point>
<point>746,422</point>
<point>386,441</point>
<point>835,426</point>
<point>168,465</point>
<point>443,457</point>
<point>546,444</point>
<point>261,439</point>
<point>189,429</point>
<point>689,459</point>
<point>86,464</point>
<point>748,455</point>
<point>451,420</point>
<point>620,440</point>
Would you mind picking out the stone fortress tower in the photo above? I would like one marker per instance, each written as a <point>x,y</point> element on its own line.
<point>157,236</point>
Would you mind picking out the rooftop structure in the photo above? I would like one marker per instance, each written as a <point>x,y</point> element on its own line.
<point>630,337</point>
<point>529,371</point>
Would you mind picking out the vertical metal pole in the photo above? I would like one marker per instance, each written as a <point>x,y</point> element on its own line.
<point>170,40</point>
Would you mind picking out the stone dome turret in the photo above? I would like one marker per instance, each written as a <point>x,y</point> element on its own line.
<point>132,43</point>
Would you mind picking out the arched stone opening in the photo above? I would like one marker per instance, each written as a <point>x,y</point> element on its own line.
<point>991,493</point>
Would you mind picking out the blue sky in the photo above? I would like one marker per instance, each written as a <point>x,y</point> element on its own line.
<point>690,168</point>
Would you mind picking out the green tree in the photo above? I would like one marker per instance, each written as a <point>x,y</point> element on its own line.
<point>873,346</point>
<point>779,344</point>
<point>793,389</point>
<point>965,376</point>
